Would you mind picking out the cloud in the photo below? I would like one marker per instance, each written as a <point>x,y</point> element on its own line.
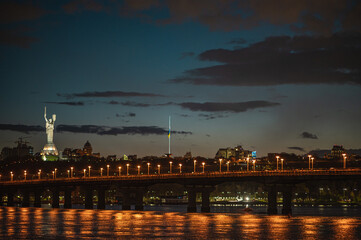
<point>238,41</point>
<point>227,107</point>
<point>308,135</point>
<point>130,114</point>
<point>211,116</point>
<point>14,12</point>
<point>187,54</point>
<point>103,130</point>
<point>297,148</point>
<point>21,128</point>
<point>108,94</point>
<point>83,5</point>
<point>283,60</point>
<point>68,103</point>
<point>16,37</point>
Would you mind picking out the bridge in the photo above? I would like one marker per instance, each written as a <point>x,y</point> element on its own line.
<point>133,187</point>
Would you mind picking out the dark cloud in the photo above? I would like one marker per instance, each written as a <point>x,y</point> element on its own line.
<point>187,54</point>
<point>68,103</point>
<point>297,148</point>
<point>238,41</point>
<point>283,60</point>
<point>108,94</point>
<point>308,135</point>
<point>134,104</point>
<point>227,107</point>
<point>15,11</point>
<point>16,37</point>
<point>211,116</point>
<point>130,114</point>
<point>103,130</point>
<point>21,128</point>
<point>83,5</point>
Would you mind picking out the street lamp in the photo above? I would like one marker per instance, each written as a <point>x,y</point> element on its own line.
<point>101,172</point>
<point>277,161</point>
<point>180,168</point>
<point>68,173</point>
<point>84,171</point>
<point>282,164</point>
<point>170,167</point>
<point>254,164</point>
<point>309,162</point>
<point>71,171</point>
<point>138,170</point>
<point>120,170</point>
<point>11,176</point>
<point>228,166</point>
<point>25,174</point>
<point>39,174</point>
<point>148,167</point>
<point>127,169</point>
<point>247,164</point>
<point>344,160</point>
<point>158,169</point>
<point>108,170</point>
<point>194,165</point>
<point>312,158</point>
<point>55,172</point>
<point>220,165</point>
<point>89,170</point>
<point>203,163</point>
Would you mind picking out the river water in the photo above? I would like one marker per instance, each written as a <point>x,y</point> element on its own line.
<point>173,222</point>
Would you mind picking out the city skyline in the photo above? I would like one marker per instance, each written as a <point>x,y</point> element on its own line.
<point>228,73</point>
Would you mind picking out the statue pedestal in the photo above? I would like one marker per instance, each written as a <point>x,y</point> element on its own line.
<point>49,152</point>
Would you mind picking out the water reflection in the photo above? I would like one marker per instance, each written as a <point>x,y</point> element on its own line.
<point>38,223</point>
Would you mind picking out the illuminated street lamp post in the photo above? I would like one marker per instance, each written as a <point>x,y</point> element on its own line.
<point>170,167</point>
<point>228,166</point>
<point>247,164</point>
<point>180,168</point>
<point>11,176</point>
<point>120,170</point>
<point>277,161</point>
<point>127,169</point>
<point>148,167</point>
<point>254,165</point>
<point>309,162</point>
<point>39,174</point>
<point>68,173</point>
<point>25,174</point>
<point>55,172</point>
<point>138,170</point>
<point>101,172</point>
<point>344,160</point>
<point>312,158</point>
<point>84,171</point>
<point>71,171</point>
<point>282,164</point>
<point>194,165</point>
<point>220,165</point>
<point>108,170</point>
<point>89,170</point>
<point>203,163</point>
<point>158,169</point>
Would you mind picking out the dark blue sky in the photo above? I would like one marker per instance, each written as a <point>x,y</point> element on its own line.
<point>270,75</point>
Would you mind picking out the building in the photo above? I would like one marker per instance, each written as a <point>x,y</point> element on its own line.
<point>233,153</point>
<point>22,150</point>
<point>87,149</point>
<point>336,152</point>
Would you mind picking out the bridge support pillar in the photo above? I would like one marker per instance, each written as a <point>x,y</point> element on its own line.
<point>206,191</point>
<point>26,199</point>
<point>287,200</point>
<point>192,205</point>
<point>67,198</point>
<point>55,198</point>
<point>37,199</point>
<point>101,198</point>
<point>10,202</point>
<point>88,198</point>
<point>139,199</point>
<point>272,200</point>
<point>125,199</point>
<point>1,198</point>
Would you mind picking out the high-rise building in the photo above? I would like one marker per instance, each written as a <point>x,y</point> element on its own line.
<point>87,149</point>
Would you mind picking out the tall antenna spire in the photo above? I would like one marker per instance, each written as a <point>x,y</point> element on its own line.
<point>169,138</point>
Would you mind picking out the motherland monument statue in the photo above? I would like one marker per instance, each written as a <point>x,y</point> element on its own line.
<point>49,148</point>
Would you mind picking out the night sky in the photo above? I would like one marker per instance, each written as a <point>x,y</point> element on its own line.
<point>269,75</point>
